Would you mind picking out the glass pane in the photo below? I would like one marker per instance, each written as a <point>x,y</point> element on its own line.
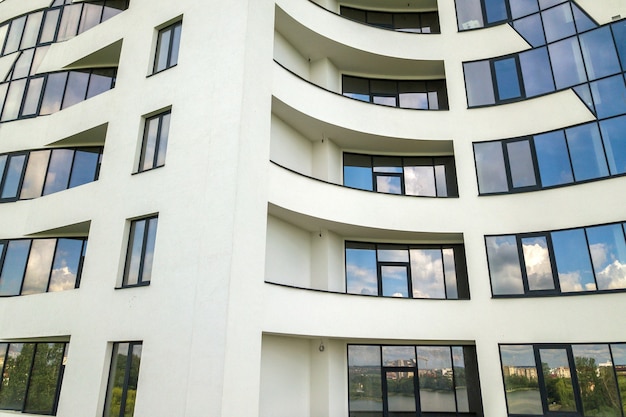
<point>619,34</point>
<point>163,47</point>
<point>380,19</point>
<point>394,281</point>
<point>23,63</point>
<point>599,53</point>
<point>460,379</point>
<point>409,22</point>
<point>42,389</point>
<point>149,143</point>
<point>13,267</point>
<point>558,23</point>
<point>76,89</point>
<point>449,267</point>
<point>400,392</point>
<point>385,101</point>
<point>537,262</point>
<point>427,273</point>
<point>399,356</point>
<point>4,29</point>
<point>3,161</point>
<point>596,380</point>
<point>420,180</point>
<point>175,45</point>
<point>572,261</point>
<point>65,267</point>
<point>13,100</point>
<point>386,254</point>
<point>553,159</point>
<point>364,381</point>
<point>436,384</point>
<point>469,14</point>
<point>608,254</point>
<point>536,72</point>
<point>149,252</point>
<point>441,179</point>
<point>557,379</point>
<point>58,171</point>
<point>507,79</point>
<point>567,63</point>
<point>495,10</point>
<point>35,174</point>
<point>521,164</point>
<point>544,4</point>
<point>490,167</point>
<point>31,31</point>
<point>531,29</point>
<point>522,7</point>
<point>14,36</point>
<point>13,176</point>
<point>133,377</point>
<point>50,26</point>
<point>117,373</point>
<point>478,83</point>
<point>619,360</point>
<point>90,17</point>
<point>504,265</point>
<point>15,377</point>
<point>53,96</point>
<point>615,143</point>
<point>520,380</point>
<point>388,184</point>
<point>134,259</point>
<point>361,275</point>
<point>38,268</point>
<point>163,139</point>
<point>357,88</point>
<point>608,96</point>
<point>100,81</point>
<point>84,168</point>
<point>586,152</point>
<point>69,21</point>
<point>40,53</point>
<point>414,100</point>
<point>31,103</point>
<point>113,8</point>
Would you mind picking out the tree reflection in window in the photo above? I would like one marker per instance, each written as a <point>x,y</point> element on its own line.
<point>123,378</point>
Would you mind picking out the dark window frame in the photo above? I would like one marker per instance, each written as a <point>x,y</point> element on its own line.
<point>158,141</point>
<point>343,10</point>
<point>171,28</point>
<point>142,256</point>
<point>127,370</point>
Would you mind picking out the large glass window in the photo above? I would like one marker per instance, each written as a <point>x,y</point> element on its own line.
<point>123,378</point>
<point>583,260</point>
<point>138,269</point>
<point>31,376</point>
<point>154,145</point>
<point>422,22</point>
<point>31,266</point>
<point>406,271</point>
<point>168,43</point>
<point>563,379</point>
<point>395,380</point>
<point>418,176</point>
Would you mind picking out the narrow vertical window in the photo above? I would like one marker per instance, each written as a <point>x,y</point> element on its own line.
<point>138,269</point>
<point>123,377</point>
<point>167,47</point>
<point>155,137</point>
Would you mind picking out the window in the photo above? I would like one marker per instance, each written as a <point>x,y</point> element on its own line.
<point>406,271</point>
<point>415,22</point>
<point>31,266</point>
<point>576,380</point>
<point>582,260</point>
<point>393,380</point>
<point>407,94</point>
<point>154,145</point>
<point>418,176</point>
<point>138,269</point>
<point>123,377</point>
<point>31,376</point>
<point>168,43</point>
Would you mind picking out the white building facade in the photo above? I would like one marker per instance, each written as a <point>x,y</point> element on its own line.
<point>312,208</point>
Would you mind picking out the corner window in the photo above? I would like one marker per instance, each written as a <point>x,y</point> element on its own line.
<point>406,271</point>
<point>168,43</point>
<point>31,376</point>
<point>138,269</point>
<point>154,145</point>
<point>123,377</point>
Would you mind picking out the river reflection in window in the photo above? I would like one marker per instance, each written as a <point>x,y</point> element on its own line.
<point>520,380</point>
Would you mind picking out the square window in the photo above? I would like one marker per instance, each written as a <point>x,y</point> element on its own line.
<point>168,43</point>
<point>138,268</point>
<point>123,377</point>
<point>154,145</point>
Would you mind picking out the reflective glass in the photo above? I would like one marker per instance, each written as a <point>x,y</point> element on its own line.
<point>619,360</point>
<point>15,376</point>
<point>123,376</point>
<point>66,265</point>
<point>4,29</point>
<point>469,14</point>
<point>536,73</point>
<point>572,261</point>
<point>413,95</point>
<point>163,139</point>
<point>490,167</point>
<point>58,171</point>
<point>615,143</point>
<point>163,47</point>
<point>385,101</point>
<point>84,168</point>
<point>521,8</point>
<point>357,170</point>
<point>449,267</point>
<point>596,380</point>
<point>435,379</point>
<point>557,372</point>
<point>22,65</point>
<point>504,265</point>
<point>521,380</point>
<point>400,356</point>
<point>608,96</point>
<point>400,393</point>
<point>544,4</point>
<point>558,23</point>
<point>619,34</point>
<point>420,180</point>
<point>13,267</point>
<point>76,90</point>
<point>583,22</point>
<point>133,377</point>
<point>537,263</point>
<point>31,103</point>
<point>608,254</point>
<point>586,152</point>
<point>478,83</point>
<point>553,159</point>
<point>599,53</point>
<point>53,96</point>
<point>38,268</point>
<point>584,93</point>
<point>364,381</point>
<point>42,388</point>
<point>361,272</point>
<point>90,16</point>
<point>460,379</point>
<point>175,45</point>
<point>113,8</point>
<point>14,36</point>
<point>531,29</point>
<point>13,176</point>
<point>388,184</point>
<point>495,10</point>
<point>427,273</point>
<point>149,250</point>
<point>31,30</point>
<point>386,254</point>
<point>13,100</point>
<point>69,21</point>
<point>35,174</point>
<point>50,26</point>
<point>40,53</point>
<point>441,181</point>
<point>3,162</point>
<point>521,164</point>
<point>135,249</point>
<point>567,63</point>
<point>101,80</point>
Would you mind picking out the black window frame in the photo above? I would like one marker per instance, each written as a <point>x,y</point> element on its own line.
<point>142,257</point>
<point>127,371</point>
<point>345,10</point>
<point>158,141</point>
<point>171,28</point>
